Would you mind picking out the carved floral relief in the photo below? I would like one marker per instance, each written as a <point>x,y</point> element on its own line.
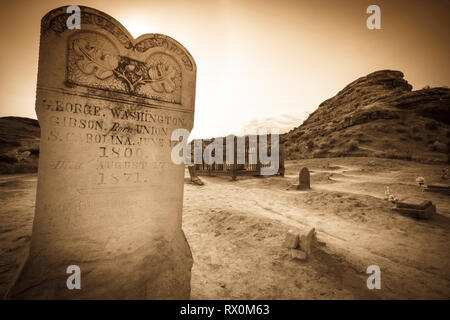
<point>95,62</point>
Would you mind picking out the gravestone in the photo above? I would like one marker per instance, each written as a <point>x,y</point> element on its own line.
<point>306,241</point>
<point>193,175</point>
<point>416,208</point>
<point>304,179</point>
<point>109,198</point>
<point>291,240</point>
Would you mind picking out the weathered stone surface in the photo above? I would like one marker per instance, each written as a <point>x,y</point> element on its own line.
<point>414,203</point>
<point>306,241</point>
<point>291,240</point>
<point>318,242</point>
<point>298,254</point>
<point>304,179</point>
<point>109,198</point>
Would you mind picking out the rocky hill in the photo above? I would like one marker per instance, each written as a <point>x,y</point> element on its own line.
<point>376,115</point>
<point>19,145</point>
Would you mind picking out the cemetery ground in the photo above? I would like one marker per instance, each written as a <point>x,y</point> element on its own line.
<point>236,231</point>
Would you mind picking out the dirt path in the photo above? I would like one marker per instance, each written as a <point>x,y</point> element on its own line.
<point>349,214</point>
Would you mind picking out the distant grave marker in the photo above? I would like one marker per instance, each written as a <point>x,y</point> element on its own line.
<point>109,198</point>
<point>304,179</point>
<point>193,175</point>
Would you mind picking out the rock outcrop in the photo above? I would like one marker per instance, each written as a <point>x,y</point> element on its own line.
<point>19,145</point>
<point>376,115</point>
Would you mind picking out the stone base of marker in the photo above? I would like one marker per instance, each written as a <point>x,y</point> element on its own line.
<point>298,254</point>
<point>415,208</point>
<point>300,187</point>
<point>300,245</point>
<point>161,270</point>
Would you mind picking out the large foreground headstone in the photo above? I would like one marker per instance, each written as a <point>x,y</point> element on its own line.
<point>109,198</point>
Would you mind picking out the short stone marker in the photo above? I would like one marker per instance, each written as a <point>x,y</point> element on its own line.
<point>304,179</point>
<point>306,241</point>
<point>291,241</point>
<point>109,198</point>
<point>298,254</point>
<point>300,246</point>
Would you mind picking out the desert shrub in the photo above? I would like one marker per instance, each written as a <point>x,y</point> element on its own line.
<point>319,154</point>
<point>352,146</point>
<point>438,146</point>
<point>323,145</point>
<point>431,125</point>
<point>415,130</point>
<point>310,145</point>
<point>6,168</point>
<point>33,151</point>
<point>365,140</point>
<point>12,143</point>
<point>288,150</point>
<point>401,130</point>
<point>339,154</point>
<point>7,159</point>
<point>395,154</point>
<point>347,134</point>
<point>379,154</point>
<point>417,137</point>
<point>387,143</point>
<point>26,167</point>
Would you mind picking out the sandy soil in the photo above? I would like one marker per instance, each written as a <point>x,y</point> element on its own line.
<point>236,231</point>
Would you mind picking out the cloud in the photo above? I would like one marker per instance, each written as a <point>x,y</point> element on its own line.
<point>283,123</point>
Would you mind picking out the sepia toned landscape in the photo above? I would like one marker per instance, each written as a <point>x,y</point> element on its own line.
<point>236,229</point>
<point>250,150</point>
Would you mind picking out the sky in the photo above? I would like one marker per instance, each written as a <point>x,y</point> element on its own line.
<point>260,63</point>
